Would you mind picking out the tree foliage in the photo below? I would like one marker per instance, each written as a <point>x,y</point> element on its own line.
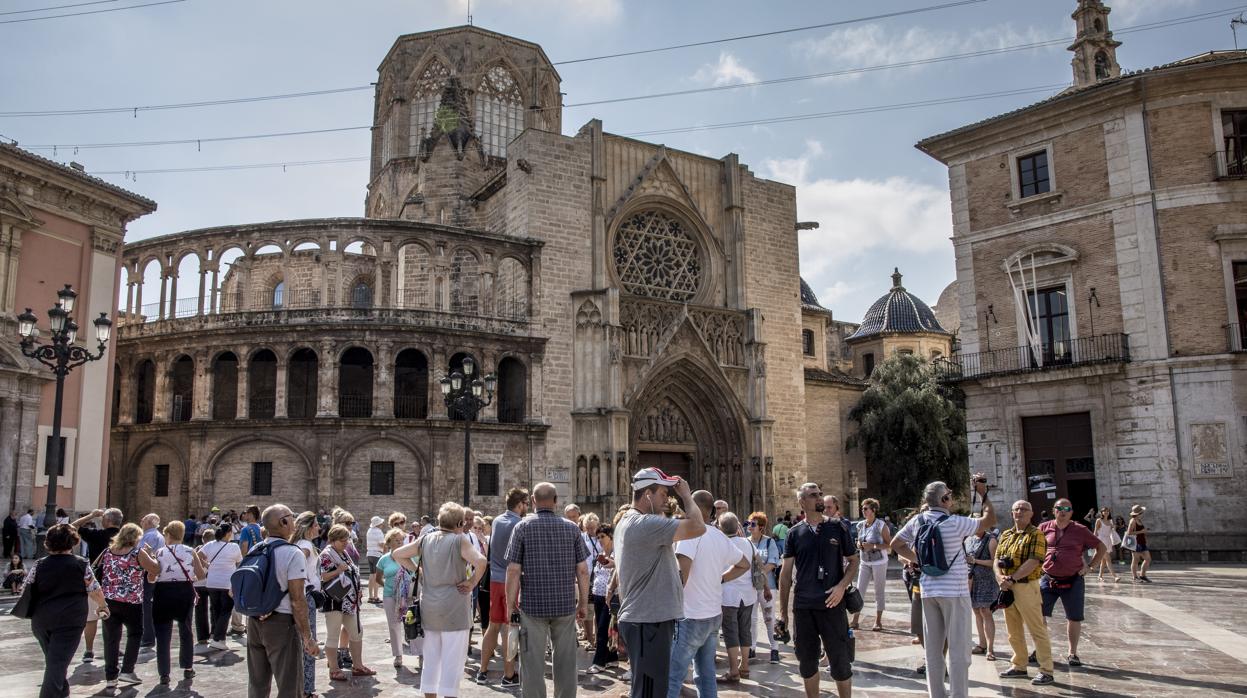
<point>912,430</point>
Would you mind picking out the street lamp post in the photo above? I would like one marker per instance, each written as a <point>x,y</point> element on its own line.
<point>467,396</point>
<point>62,354</point>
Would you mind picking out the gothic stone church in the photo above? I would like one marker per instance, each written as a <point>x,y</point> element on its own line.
<point>640,306</point>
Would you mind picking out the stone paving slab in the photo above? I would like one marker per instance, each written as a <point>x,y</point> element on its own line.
<point>1182,635</point>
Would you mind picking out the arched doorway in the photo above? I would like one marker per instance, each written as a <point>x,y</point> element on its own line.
<point>689,424</point>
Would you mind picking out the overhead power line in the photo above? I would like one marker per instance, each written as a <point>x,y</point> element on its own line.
<point>683,129</point>
<point>56,147</point>
<point>56,7</point>
<point>777,32</point>
<point>88,12</point>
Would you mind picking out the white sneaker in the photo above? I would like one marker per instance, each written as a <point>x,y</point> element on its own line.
<point>129,678</point>
<point>218,645</point>
<point>595,669</point>
<point>201,648</point>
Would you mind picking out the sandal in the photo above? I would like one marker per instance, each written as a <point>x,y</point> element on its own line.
<point>991,656</point>
<point>337,675</point>
<point>878,628</point>
<point>744,674</point>
<point>978,649</point>
<point>729,678</point>
<point>362,671</point>
<point>1073,660</point>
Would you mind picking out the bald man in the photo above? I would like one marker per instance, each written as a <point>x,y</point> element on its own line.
<point>1019,556</point>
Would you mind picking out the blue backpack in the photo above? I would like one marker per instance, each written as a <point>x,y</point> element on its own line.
<point>256,590</point>
<point>930,545</point>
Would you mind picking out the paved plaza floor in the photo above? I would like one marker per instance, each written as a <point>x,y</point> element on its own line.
<point>1186,634</point>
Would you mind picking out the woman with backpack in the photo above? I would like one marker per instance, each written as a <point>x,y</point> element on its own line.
<point>769,553</point>
<point>174,599</point>
<point>340,581</point>
<point>122,566</point>
<point>222,556</point>
<point>306,533</point>
<point>874,539</point>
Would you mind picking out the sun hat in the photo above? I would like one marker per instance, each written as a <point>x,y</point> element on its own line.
<point>376,521</point>
<point>647,477</point>
<point>1136,510</point>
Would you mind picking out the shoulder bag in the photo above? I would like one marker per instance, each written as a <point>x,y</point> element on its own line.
<point>344,585</point>
<point>187,574</point>
<point>26,603</point>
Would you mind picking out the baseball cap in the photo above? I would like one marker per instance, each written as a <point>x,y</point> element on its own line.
<point>652,476</point>
<point>216,508</point>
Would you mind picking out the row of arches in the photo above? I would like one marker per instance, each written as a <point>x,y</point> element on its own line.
<point>267,388</point>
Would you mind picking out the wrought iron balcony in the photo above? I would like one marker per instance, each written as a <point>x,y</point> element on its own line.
<point>1084,351</point>
<point>1227,165</point>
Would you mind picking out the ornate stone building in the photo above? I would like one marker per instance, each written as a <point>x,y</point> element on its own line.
<point>58,226</point>
<point>1101,246</point>
<point>640,305</point>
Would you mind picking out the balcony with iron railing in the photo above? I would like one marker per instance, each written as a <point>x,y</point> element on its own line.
<point>411,406</point>
<point>354,406</point>
<point>1229,165</point>
<point>1057,356</point>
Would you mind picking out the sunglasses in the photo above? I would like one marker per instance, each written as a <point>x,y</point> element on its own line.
<point>1064,508</point>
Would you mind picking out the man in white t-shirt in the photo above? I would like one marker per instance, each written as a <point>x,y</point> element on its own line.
<point>276,643</point>
<point>706,562</point>
<point>946,598</point>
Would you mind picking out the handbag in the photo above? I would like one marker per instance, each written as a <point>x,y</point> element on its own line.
<point>853,601</point>
<point>1130,542</point>
<point>413,623</point>
<point>338,590</point>
<point>25,606</point>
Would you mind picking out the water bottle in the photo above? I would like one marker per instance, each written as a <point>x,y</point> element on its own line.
<point>852,647</point>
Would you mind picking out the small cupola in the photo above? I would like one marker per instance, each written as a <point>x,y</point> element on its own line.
<point>1095,51</point>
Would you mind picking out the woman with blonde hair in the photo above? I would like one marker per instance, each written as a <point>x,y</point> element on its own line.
<point>122,568</point>
<point>384,575</point>
<point>174,598</point>
<point>445,601</point>
<point>306,532</point>
<point>342,604</point>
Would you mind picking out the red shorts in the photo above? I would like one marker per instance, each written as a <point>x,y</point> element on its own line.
<point>498,602</point>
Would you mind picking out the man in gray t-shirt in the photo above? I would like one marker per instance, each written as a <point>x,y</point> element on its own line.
<point>651,595</point>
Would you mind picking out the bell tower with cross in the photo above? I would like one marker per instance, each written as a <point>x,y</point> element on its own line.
<point>1095,51</point>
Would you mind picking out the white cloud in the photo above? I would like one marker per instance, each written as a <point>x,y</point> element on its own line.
<point>876,44</point>
<point>1127,11</point>
<point>859,219</point>
<point>728,71</point>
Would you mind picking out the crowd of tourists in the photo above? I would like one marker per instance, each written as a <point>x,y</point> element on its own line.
<point>671,578</point>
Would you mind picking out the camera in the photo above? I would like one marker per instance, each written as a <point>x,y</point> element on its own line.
<point>982,480</point>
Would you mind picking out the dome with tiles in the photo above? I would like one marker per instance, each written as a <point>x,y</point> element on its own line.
<point>898,312</point>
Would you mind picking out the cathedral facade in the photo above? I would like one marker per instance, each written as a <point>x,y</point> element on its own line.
<point>639,305</point>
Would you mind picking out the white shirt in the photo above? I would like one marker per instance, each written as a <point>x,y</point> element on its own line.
<point>740,592</point>
<point>176,564</point>
<point>953,532</point>
<point>25,521</point>
<point>376,538</point>
<point>288,563</point>
<point>222,558</point>
<point>712,555</point>
<point>311,559</point>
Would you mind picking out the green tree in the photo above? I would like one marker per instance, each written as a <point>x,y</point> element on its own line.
<point>912,430</point>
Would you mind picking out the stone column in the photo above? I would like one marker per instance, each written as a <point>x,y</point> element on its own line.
<point>216,287</point>
<point>244,382</point>
<point>437,371</point>
<point>383,381</point>
<point>173,296</point>
<point>163,408</point>
<point>203,278</point>
<point>279,407</point>
<point>164,298</point>
<point>327,382</point>
<point>488,364</point>
<point>126,410</point>
<point>10,442</point>
<point>201,409</point>
<point>28,450</point>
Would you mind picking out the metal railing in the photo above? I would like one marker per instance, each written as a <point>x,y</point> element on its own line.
<point>516,310</point>
<point>511,414</point>
<point>261,407</point>
<point>411,406</point>
<point>300,406</point>
<point>1236,337</point>
<point>1227,165</point>
<point>354,405</point>
<point>1084,351</point>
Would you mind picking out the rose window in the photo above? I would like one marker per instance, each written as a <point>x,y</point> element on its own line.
<point>656,257</point>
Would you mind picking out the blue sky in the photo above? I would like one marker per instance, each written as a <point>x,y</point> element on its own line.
<point>880,202</point>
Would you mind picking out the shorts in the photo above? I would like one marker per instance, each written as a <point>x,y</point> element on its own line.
<point>498,602</point>
<point>737,626</point>
<point>831,627</point>
<point>1072,599</point>
<point>1140,547</point>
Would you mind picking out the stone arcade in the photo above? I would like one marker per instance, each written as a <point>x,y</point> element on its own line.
<point>640,305</point>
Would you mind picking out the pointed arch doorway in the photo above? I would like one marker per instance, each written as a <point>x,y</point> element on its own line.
<point>687,423</point>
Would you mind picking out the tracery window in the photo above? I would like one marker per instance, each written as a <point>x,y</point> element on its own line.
<point>425,99</point>
<point>655,256</point>
<point>499,110</point>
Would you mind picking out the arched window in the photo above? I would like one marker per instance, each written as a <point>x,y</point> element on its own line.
<point>499,110</point>
<point>361,295</point>
<point>279,291</point>
<point>225,386</point>
<point>512,391</point>
<point>144,392</point>
<point>425,99</point>
<point>355,383</point>
<point>183,380</point>
<point>411,385</point>
<point>465,283</point>
<point>415,270</point>
<point>511,289</point>
<point>301,384</point>
<point>656,256</point>
<point>262,385</point>
<point>1102,68</point>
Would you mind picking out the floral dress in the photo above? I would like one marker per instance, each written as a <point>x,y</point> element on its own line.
<point>984,588</point>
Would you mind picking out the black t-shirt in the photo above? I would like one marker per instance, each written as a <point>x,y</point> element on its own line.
<point>818,554</point>
<point>96,540</point>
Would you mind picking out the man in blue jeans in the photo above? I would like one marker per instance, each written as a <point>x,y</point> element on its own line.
<point>706,562</point>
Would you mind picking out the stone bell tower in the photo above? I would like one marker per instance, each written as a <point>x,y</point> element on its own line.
<point>448,103</point>
<point>1095,51</point>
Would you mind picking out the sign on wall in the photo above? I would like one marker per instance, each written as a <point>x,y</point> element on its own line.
<point>1210,452</point>
<point>558,475</point>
